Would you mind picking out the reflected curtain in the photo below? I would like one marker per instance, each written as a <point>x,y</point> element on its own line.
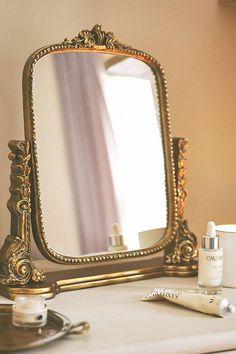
<point>88,131</point>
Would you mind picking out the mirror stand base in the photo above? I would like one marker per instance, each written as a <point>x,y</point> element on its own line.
<point>60,281</point>
<point>187,270</point>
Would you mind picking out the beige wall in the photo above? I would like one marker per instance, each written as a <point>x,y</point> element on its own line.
<point>195,42</point>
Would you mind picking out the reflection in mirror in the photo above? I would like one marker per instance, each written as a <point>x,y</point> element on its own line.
<point>100,153</point>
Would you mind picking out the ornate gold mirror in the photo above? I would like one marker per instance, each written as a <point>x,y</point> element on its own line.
<point>97,169</point>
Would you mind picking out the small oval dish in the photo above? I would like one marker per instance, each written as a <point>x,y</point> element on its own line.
<point>14,338</point>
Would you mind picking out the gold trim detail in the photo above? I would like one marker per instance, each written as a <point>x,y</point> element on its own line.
<point>96,38</point>
<point>185,245</point>
<point>179,146</point>
<point>183,248</point>
<point>16,266</point>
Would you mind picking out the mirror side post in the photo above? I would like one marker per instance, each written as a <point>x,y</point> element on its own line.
<point>180,255</point>
<point>16,265</point>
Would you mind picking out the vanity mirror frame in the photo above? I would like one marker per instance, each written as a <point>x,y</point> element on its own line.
<point>97,41</point>
<point>178,243</point>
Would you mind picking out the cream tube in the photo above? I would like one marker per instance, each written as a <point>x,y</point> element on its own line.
<point>211,304</point>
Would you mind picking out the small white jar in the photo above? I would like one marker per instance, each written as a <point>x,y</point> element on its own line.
<point>29,311</point>
<point>227,236</point>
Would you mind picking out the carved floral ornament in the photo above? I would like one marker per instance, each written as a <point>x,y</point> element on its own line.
<point>96,38</point>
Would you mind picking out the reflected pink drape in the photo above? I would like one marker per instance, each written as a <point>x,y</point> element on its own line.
<point>86,124</point>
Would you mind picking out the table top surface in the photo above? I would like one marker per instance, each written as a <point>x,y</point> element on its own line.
<point>121,323</point>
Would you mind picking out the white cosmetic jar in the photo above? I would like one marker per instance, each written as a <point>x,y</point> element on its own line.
<point>227,237</point>
<point>29,311</point>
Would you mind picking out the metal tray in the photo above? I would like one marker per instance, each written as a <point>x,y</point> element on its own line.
<point>14,338</point>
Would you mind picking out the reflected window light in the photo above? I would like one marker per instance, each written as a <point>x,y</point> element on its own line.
<point>139,180</point>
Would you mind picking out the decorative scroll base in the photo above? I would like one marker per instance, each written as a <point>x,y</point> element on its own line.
<point>16,266</point>
<point>180,255</point>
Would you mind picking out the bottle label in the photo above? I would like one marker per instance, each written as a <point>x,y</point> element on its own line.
<point>210,267</point>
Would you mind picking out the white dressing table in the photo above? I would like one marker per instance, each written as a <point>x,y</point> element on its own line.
<point>121,323</point>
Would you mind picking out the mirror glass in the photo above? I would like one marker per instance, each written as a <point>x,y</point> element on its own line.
<point>100,152</point>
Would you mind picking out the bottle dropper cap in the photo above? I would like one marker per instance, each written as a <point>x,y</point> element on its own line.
<point>116,239</point>
<point>210,241</point>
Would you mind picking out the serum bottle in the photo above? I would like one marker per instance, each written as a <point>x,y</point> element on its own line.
<point>116,240</point>
<point>210,262</point>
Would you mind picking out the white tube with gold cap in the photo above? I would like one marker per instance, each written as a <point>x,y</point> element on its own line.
<point>215,305</point>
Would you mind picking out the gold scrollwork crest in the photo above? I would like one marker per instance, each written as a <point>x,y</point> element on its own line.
<point>96,38</point>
